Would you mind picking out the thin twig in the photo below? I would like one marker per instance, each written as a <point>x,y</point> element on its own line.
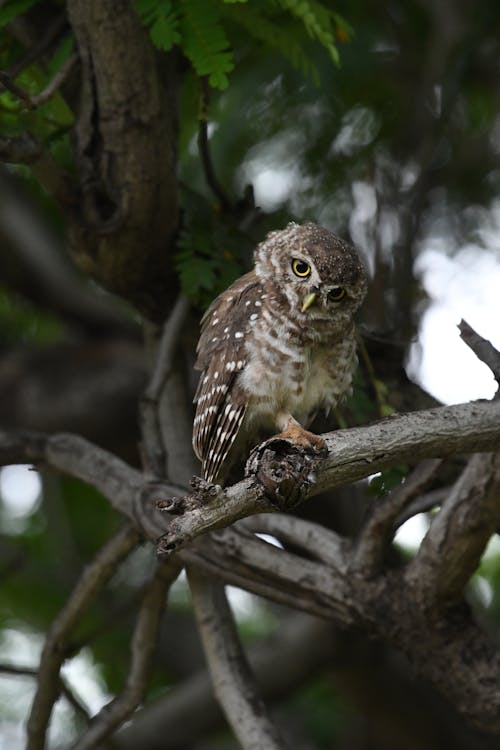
<point>144,641</point>
<point>423,504</point>
<point>57,81</point>
<point>32,101</point>
<point>483,349</point>
<point>10,85</point>
<point>232,678</point>
<point>93,579</point>
<point>204,149</point>
<point>153,447</point>
<point>381,524</point>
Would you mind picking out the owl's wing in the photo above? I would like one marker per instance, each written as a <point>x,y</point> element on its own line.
<point>220,404</point>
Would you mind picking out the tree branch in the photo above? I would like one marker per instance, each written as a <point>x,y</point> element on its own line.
<point>154,450</point>
<point>189,711</point>
<point>381,523</point>
<point>143,646</point>
<point>32,101</point>
<point>125,141</point>
<point>65,690</point>
<point>390,605</point>
<point>204,149</point>
<point>233,681</point>
<point>452,548</point>
<point>317,541</point>
<point>54,651</point>
<point>352,455</point>
<point>483,349</point>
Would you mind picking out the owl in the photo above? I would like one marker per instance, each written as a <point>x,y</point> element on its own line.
<point>277,346</point>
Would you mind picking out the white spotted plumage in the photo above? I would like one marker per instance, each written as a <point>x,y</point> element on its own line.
<point>263,356</point>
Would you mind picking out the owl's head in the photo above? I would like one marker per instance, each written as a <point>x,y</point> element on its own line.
<point>319,275</point>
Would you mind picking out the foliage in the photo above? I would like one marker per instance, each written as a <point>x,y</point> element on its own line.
<point>202,29</point>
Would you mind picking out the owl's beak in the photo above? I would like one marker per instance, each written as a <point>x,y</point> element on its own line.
<point>309,301</point>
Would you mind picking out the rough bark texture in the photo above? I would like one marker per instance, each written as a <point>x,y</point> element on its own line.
<point>125,142</point>
<point>409,607</point>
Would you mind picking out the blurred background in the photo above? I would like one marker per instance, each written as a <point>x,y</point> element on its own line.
<point>396,148</point>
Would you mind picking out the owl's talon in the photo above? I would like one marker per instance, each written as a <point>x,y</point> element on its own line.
<point>303,438</point>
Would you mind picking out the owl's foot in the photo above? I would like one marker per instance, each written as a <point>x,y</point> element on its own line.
<point>301,437</point>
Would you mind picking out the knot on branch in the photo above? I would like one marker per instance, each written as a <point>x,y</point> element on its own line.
<point>203,493</point>
<point>283,470</point>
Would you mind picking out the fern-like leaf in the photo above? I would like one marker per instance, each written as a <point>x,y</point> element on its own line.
<point>319,22</point>
<point>205,42</point>
<point>274,36</point>
<point>162,18</point>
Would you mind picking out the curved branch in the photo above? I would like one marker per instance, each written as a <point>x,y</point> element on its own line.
<point>452,548</point>
<point>317,541</point>
<point>353,454</point>
<point>233,681</point>
<point>281,662</point>
<point>143,646</point>
<point>381,524</point>
<point>54,651</point>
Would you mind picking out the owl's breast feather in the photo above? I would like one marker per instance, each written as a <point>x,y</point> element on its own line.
<point>298,380</point>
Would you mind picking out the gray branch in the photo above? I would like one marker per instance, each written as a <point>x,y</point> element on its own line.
<point>452,548</point>
<point>232,678</point>
<point>93,579</point>
<point>482,348</point>
<point>381,524</point>
<point>143,646</point>
<point>353,454</point>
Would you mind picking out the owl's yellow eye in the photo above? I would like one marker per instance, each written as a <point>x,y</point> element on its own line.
<point>301,268</point>
<point>336,294</point>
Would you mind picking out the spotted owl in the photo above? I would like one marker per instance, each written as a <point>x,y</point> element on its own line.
<point>277,346</point>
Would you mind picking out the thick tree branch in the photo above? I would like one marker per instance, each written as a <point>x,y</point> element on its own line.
<point>143,646</point>
<point>390,605</point>
<point>233,681</point>
<point>451,551</point>
<point>242,559</point>
<point>352,455</point>
<point>315,540</point>
<point>94,577</point>
<point>126,149</point>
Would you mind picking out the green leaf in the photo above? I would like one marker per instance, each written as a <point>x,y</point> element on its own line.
<point>163,20</point>
<point>205,42</point>
<point>320,23</point>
